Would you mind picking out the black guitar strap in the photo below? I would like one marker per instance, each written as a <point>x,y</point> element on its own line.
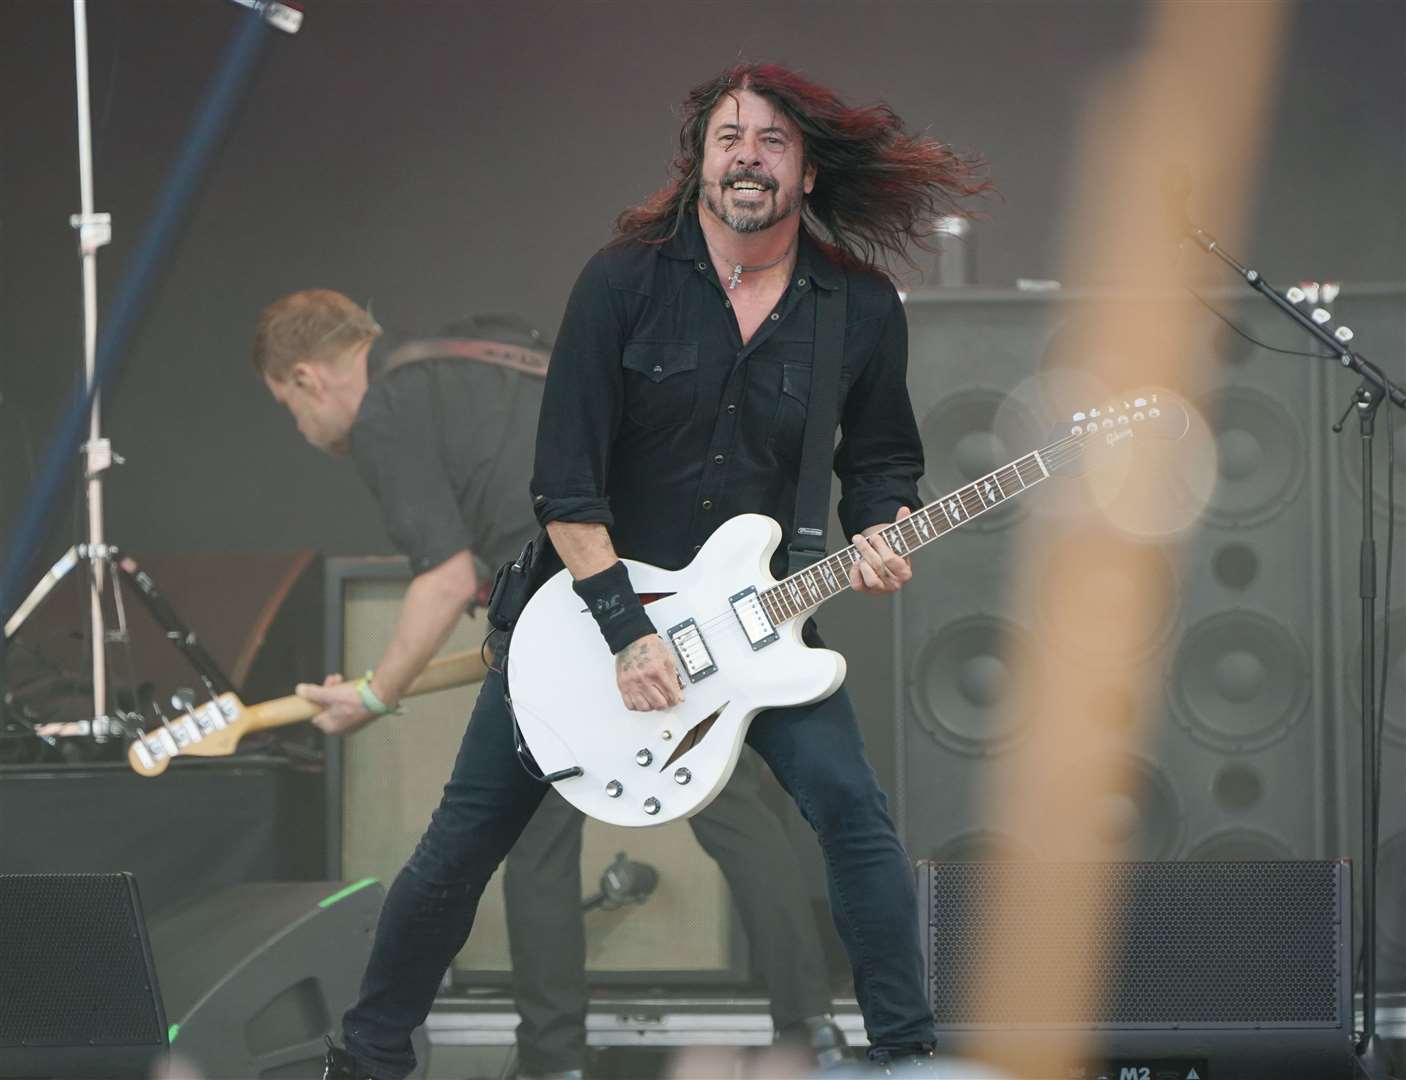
<point>806,544</point>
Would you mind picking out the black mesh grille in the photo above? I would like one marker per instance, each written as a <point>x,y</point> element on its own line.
<point>1188,943</point>
<point>72,968</point>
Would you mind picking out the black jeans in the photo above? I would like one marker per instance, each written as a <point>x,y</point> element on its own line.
<point>542,887</point>
<point>818,756</point>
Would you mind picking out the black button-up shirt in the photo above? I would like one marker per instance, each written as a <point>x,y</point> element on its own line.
<point>658,422</point>
<point>444,447</point>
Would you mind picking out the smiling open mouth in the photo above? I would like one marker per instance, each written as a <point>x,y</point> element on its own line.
<point>748,187</point>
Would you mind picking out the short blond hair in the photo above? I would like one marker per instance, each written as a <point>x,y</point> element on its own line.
<point>311,325</point>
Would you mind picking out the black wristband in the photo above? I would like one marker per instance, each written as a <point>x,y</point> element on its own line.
<point>617,609</point>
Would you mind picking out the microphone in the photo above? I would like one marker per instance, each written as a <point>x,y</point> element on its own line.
<point>624,882</point>
<point>1176,188</point>
<point>280,16</point>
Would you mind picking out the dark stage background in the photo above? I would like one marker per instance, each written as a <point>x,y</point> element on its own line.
<point>439,159</point>
<point>442,158</point>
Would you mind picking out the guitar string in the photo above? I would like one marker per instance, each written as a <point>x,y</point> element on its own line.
<point>1056,455</point>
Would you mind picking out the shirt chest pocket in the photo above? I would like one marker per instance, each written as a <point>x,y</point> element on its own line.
<point>661,382</point>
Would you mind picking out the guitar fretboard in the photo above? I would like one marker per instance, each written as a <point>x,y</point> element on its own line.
<point>811,587</point>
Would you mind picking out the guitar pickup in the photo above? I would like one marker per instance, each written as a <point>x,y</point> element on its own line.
<point>756,624</point>
<point>693,652</point>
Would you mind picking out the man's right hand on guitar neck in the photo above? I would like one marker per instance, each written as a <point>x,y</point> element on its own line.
<point>647,676</point>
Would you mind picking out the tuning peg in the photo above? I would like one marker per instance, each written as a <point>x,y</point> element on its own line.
<point>1343,334</point>
<point>1320,316</point>
<point>1295,294</point>
<point>1331,289</point>
<point>183,700</point>
<point>1310,291</point>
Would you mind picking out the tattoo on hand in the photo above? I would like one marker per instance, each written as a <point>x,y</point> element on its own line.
<point>631,657</point>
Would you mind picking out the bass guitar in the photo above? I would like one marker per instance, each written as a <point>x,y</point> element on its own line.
<point>215,728</point>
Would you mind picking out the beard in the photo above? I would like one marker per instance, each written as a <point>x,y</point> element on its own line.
<point>751,219</point>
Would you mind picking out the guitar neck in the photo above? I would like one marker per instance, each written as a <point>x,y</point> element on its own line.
<point>807,589</point>
<point>453,669</point>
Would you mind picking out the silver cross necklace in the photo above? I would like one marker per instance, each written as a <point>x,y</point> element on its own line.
<point>738,269</point>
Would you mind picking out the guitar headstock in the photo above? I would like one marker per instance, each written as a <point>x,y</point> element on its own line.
<point>210,730</point>
<point>1109,426</point>
<point>1154,413</point>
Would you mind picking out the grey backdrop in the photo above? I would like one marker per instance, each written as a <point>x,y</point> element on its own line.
<point>452,157</point>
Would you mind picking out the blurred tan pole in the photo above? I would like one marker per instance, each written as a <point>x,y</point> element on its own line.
<point>1198,96</point>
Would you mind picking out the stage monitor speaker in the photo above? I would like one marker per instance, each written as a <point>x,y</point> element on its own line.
<point>1231,969</point>
<point>385,783</point>
<point>78,991</point>
<point>254,976</point>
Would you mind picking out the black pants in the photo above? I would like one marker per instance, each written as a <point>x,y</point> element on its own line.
<point>542,887</point>
<point>815,752</point>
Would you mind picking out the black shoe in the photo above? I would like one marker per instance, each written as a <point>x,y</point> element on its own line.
<point>339,1065</point>
<point>818,1035</point>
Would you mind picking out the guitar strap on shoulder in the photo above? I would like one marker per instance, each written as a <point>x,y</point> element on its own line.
<point>806,544</point>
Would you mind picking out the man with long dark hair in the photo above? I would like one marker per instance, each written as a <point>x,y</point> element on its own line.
<point>680,400</point>
<point>677,398</point>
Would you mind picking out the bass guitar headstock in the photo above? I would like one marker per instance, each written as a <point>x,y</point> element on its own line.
<point>209,730</point>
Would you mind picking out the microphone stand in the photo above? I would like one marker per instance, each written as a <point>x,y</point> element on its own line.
<point>1374,388</point>
<point>94,231</point>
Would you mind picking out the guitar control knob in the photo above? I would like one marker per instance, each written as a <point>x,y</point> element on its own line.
<point>643,757</point>
<point>651,806</point>
<point>614,788</point>
<point>682,776</point>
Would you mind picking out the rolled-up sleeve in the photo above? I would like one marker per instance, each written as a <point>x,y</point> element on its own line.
<point>581,405</point>
<point>880,456</point>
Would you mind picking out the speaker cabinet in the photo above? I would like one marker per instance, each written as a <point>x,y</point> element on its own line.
<point>386,781</point>
<point>254,976</point>
<point>1254,754</point>
<point>1244,966</point>
<point>78,990</point>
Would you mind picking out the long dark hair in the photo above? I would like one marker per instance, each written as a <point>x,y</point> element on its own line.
<point>878,189</point>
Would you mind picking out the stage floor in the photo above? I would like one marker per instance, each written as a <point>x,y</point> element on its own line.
<point>471,1032</point>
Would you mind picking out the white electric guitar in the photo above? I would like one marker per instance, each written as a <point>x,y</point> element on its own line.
<point>736,632</point>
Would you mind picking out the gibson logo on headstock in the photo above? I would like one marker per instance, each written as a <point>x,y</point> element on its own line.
<point>1118,436</point>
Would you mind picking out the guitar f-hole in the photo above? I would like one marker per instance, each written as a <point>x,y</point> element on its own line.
<point>695,735</point>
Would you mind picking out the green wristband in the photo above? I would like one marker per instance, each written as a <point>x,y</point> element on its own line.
<point>369,699</point>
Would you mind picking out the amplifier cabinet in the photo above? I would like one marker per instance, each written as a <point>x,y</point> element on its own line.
<point>384,782</point>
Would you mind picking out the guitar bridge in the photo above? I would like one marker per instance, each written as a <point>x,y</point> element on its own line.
<point>693,652</point>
